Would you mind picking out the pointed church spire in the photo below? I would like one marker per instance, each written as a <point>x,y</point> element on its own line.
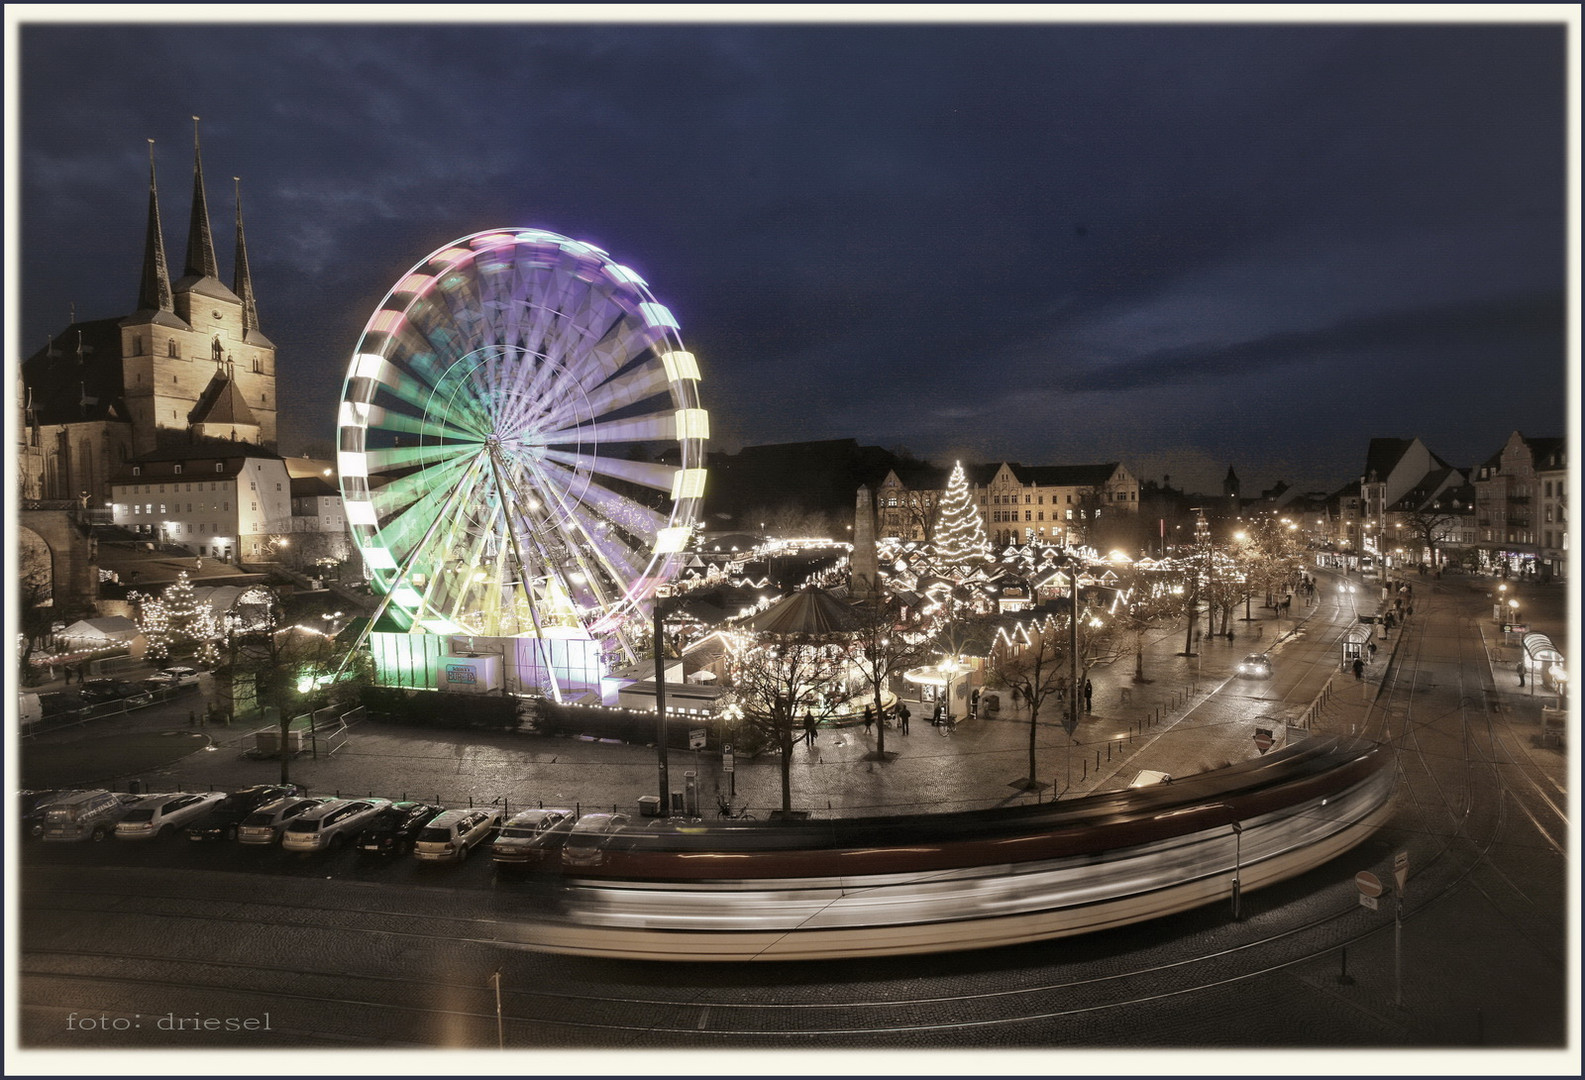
<point>154,293</point>
<point>200,245</point>
<point>241,278</point>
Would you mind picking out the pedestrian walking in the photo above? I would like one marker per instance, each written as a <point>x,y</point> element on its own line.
<point>903,714</point>
<point>809,727</point>
<point>1372,647</point>
<point>974,703</point>
<point>1520,667</point>
<point>940,713</point>
<point>1088,691</point>
<point>1359,668</point>
<point>869,719</point>
<point>1062,688</point>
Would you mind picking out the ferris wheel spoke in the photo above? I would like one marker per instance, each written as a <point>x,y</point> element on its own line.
<point>403,457</point>
<point>648,428</point>
<point>406,423</point>
<point>649,474</point>
<point>629,389</point>
<point>403,526</point>
<point>402,489</point>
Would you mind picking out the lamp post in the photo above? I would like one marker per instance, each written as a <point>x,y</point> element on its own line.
<point>660,709</point>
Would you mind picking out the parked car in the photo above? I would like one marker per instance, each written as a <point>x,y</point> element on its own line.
<point>97,690</point>
<point>1255,666</point>
<point>226,816</point>
<point>83,815</point>
<point>393,830</point>
<point>172,678</point>
<point>453,834</point>
<point>587,842</point>
<point>161,815</point>
<point>521,839</point>
<point>265,825</point>
<point>30,809</point>
<point>542,851</point>
<point>329,825</point>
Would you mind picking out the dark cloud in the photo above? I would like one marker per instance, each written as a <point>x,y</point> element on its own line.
<point>1036,241</point>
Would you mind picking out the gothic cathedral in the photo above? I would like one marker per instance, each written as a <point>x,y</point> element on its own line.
<point>190,364</point>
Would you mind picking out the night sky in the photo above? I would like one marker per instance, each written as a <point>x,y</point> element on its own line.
<point>1179,246</point>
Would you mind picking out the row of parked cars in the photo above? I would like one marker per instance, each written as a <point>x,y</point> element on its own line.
<point>275,814</point>
<point>94,691</point>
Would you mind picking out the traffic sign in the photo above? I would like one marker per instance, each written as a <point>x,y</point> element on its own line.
<point>1367,883</point>
<point>696,739</point>
<point>726,757</point>
<point>1400,870</point>
<point>1263,739</point>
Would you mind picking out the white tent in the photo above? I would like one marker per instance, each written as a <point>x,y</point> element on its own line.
<point>101,633</point>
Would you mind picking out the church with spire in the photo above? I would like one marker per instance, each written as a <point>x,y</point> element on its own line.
<point>190,365</point>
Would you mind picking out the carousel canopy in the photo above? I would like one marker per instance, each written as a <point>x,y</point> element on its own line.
<point>812,611</point>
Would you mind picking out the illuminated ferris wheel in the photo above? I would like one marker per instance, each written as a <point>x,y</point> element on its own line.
<point>521,442</point>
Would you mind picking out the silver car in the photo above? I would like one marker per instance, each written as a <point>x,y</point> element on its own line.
<point>519,841</point>
<point>587,841</point>
<point>265,825</point>
<point>161,815</point>
<point>454,833</point>
<point>330,824</point>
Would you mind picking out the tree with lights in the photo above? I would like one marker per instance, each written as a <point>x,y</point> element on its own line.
<point>960,539</point>
<point>154,624</point>
<point>776,680</point>
<point>187,618</point>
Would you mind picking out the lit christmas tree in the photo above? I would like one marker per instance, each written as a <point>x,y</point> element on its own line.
<point>960,537</point>
<point>154,622</point>
<point>187,618</point>
<point>209,654</point>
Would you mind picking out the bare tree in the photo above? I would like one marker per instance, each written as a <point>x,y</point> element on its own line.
<point>1148,598</point>
<point>1432,527</point>
<point>883,647</point>
<point>922,509</point>
<point>777,681</point>
<point>1032,660</point>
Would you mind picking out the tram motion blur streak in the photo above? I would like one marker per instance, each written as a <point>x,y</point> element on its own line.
<point>945,882</point>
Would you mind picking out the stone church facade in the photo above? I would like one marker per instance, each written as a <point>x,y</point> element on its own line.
<point>189,364</point>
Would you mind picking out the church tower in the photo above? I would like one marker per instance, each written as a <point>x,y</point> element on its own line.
<point>196,344</point>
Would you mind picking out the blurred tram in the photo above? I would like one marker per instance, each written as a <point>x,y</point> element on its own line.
<point>939,882</point>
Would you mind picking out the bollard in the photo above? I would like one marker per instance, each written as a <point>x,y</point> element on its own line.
<point>1343,978</point>
<point>1084,774</point>
<point>470,802</point>
<point>1097,761</point>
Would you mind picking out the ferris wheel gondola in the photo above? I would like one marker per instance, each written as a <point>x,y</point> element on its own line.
<point>521,444</point>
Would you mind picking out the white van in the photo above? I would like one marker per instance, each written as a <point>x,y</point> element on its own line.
<point>83,815</point>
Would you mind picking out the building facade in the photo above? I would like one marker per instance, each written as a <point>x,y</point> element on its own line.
<point>224,501</point>
<point>1521,508</point>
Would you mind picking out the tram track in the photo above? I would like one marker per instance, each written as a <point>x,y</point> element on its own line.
<point>728,1015</point>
